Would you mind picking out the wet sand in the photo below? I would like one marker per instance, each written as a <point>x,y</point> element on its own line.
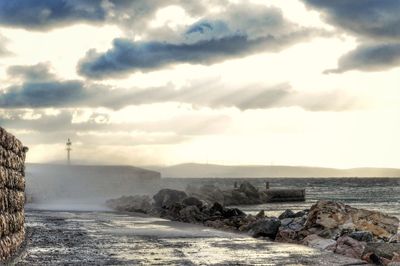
<point>107,238</point>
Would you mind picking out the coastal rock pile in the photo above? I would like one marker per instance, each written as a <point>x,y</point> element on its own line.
<point>328,225</point>
<point>12,186</point>
<point>348,231</point>
<point>245,194</point>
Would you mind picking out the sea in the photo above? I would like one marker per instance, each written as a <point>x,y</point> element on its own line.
<point>380,194</point>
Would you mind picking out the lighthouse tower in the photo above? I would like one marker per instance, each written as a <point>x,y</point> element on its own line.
<point>69,149</point>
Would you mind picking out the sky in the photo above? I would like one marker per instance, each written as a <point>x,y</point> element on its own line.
<point>155,82</point>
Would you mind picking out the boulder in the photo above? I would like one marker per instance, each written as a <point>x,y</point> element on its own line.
<point>191,214</point>
<point>267,227</point>
<point>236,197</point>
<point>395,238</point>
<point>216,209</point>
<point>372,258</point>
<point>316,241</point>
<point>349,247</point>
<point>260,214</point>
<point>135,203</point>
<point>286,222</point>
<point>297,224</point>
<point>246,194</point>
<point>166,197</point>
<point>192,201</point>
<point>232,212</point>
<point>333,218</point>
<point>287,214</point>
<point>172,212</point>
<point>383,250</point>
<point>249,190</point>
<point>286,235</point>
<point>207,193</point>
<point>362,236</point>
<point>301,213</point>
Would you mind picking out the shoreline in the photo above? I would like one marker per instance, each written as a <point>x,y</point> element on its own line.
<point>327,225</point>
<point>94,238</point>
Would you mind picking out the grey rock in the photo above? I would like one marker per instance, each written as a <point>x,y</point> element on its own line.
<point>166,197</point>
<point>287,214</point>
<point>349,247</point>
<point>285,222</point>
<point>384,250</point>
<point>267,227</point>
<point>192,201</point>
<point>207,193</point>
<point>363,236</point>
<point>249,190</point>
<point>191,214</point>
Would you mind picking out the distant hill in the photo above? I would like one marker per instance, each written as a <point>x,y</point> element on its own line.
<point>192,170</point>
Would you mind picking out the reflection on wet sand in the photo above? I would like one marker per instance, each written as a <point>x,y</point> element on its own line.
<point>93,238</point>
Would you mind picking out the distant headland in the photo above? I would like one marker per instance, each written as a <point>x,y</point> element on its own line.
<point>193,170</point>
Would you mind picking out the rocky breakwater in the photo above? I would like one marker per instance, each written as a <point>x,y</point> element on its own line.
<point>12,186</point>
<point>371,236</point>
<point>245,194</point>
<point>357,233</point>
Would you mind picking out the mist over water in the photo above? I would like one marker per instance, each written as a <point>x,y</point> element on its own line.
<point>83,188</point>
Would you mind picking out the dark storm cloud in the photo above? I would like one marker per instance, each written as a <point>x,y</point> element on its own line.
<point>43,14</point>
<point>38,72</point>
<point>376,24</point>
<point>127,56</point>
<point>48,14</point>
<point>373,57</point>
<point>42,94</point>
<point>240,31</point>
<point>366,18</point>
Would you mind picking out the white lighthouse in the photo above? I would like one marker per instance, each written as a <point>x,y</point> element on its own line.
<point>69,149</point>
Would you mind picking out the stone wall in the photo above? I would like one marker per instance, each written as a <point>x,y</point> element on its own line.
<point>12,198</point>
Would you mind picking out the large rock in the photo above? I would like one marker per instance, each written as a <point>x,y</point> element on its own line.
<point>287,214</point>
<point>207,193</point>
<point>191,214</point>
<point>383,250</point>
<point>216,209</point>
<point>172,212</point>
<point>232,212</point>
<point>316,241</point>
<point>235,197</point>
<point>135,203</point>
<point>286,235</point>
<point>267,227</point>
<point>363,236</point>
<point>192,201</point>
<point>332,219</point>
<point>166,197</point>
<point>249,190</point>
<point>395,238</point>
<point>349,247</point>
